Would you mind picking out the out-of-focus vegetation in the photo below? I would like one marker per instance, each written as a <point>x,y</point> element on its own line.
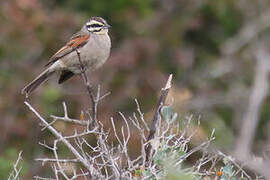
<point>150,39</point>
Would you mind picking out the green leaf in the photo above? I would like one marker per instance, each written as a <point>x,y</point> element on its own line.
<point>228,169</point>
<point>137,172</point>
<point>168,113</point>
<point>158,157</point>
<point>181,152</point>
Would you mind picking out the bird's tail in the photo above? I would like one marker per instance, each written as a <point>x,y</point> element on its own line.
<point>36,82</point>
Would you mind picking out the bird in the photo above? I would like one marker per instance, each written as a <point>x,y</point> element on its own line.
<point>93,44</point>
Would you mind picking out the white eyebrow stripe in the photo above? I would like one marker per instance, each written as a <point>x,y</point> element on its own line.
<point>94,22</point>
<point>94,29</point>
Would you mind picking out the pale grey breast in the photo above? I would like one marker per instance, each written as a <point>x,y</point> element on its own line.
<point>97,51</point>
<point>93,54</point>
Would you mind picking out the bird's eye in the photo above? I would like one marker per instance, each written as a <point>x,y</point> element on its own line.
<point>94,25</point>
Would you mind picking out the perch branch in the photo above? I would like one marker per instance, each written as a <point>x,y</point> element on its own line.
<point>89,90</point>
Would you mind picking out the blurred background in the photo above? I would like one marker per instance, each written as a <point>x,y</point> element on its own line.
<point>209,46</point>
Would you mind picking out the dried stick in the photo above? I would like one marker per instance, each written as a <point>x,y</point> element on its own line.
<point>66,118</point>
<point>89,90</point>
<point>60,137</point>
<point>16,169</point>
<point>258,95</point>
<point>251,118</point>
<point>44,160</point>
<point>247,34</point>
<point>153,127</point>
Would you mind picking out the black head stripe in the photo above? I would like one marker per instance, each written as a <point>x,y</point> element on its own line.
<point>95,25</point>
<point>94,29</point>
<point>98,19</point>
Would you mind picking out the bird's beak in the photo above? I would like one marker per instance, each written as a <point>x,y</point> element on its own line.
<point>107,26</point>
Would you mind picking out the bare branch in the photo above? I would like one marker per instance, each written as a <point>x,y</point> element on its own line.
<point>67,119</point>
<point>59,136</point>
<point>248,33</point>
<point>161,101</point>
<point>258,94</point>
<point>16,168</point>
<point>89,90</point>
<point>252,115</point>
<point>44,160</point>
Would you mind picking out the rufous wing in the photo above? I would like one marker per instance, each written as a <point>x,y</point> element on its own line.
<point>75,42</point>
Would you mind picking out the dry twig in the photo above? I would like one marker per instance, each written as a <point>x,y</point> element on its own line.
<point>252,115</point>
<point>89,90</point>
<point>153,127</point>
<point>14,175</point>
